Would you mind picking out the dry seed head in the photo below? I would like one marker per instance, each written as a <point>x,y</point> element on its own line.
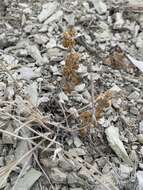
<point>83,131</point>
<point>71,65</point>
<point>71,61</point>
<point>67,88</point>
<point>103,101</point>
<point>71,31</point>
<point>86,117</point>
<point>72,58</point>
<point>68,40</point>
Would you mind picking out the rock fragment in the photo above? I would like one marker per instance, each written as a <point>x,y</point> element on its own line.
<point>116,144</point>
<point>58,176</point>
<point>134,96</point>
<point>47,10</point>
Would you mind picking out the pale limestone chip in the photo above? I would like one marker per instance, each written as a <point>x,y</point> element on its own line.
<point>33,93</point>
<point>138,64</point>
<point>26,182</point>
<point>63,97</point>
<point>54,17</point>
<point>80,87</point>
<point>47,10</point>
<point>116,144</point>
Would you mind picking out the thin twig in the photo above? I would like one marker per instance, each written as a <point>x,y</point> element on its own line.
<point>19,137</point>
<point>93,98</point>
<point>20,160</point>
<point>35,157</point>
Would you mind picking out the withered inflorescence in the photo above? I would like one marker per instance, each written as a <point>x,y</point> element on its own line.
<point>71,61</point>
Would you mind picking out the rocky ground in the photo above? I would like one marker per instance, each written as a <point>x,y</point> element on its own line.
<point>84,138</point>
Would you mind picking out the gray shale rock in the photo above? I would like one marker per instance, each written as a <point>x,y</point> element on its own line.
<point>141,127</point>
<point>125,171</point>
<point>134,96</point>
<point>140,180</point>
<point>85,174</point>
<point>58,176</point>
<point>73,179</point>
<point>66,165</point>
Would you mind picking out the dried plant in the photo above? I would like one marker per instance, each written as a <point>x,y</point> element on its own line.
<point>71,61</point>
<point>71,65</point>
<point>68,38</point>
<point>86,121</point>
<point>86,117</point>
<point>115,59</point>
<point>103,101</point>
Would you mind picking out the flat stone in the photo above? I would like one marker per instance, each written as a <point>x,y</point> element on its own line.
<point>3,41</point>
<point>28,28</point>
<point>141,166</point>
<point>100,6</point>
<point>125,171</point>
<point>58,176</point>
<point>82,69</point>
<point>117,103</point>
<point>63,97</point>
<point>139,175</point>
<point>2,88</point>
<point>47,10</point>
<point>66,165</point>
<point>1,161</point>
<point>72,178</point>
<point>134,96</point>
<point>140,138</point>
<point>139,41</point>
<point>77,151</point>
<point>128,121</point>
<point>119,21</point>
<point>77,142</point>
<point>141,127</point>
<point>80,87</point>
<point>133,156</point>
<point>40,39</point>
<point>49,163</point>
<point>85,174</point>
<point>134,110</point>
<point>55,17</point>
<point>51,44</point>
